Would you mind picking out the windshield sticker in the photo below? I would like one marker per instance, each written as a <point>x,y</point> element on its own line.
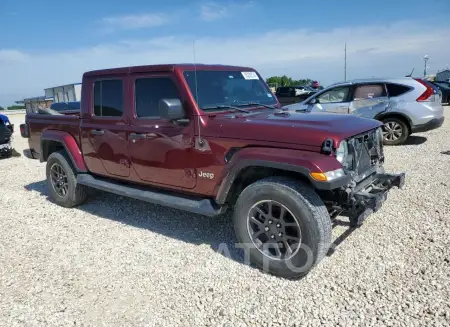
<point>249,75</point>
<point>269,95</point>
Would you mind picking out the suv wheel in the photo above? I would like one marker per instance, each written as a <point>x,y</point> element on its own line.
<point>62,181</point>
<point>395,131</point>
<point>283,225</point>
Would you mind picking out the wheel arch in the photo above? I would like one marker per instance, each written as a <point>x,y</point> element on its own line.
<point>52,141</point>
<point>403,117</point>
<point>250,171</point>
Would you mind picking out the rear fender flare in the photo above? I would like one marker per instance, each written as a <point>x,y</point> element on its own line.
<point>70,145</point>
<point>297,161</point>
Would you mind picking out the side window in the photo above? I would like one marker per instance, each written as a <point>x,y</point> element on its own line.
<point>394,90</point>
<point>148,92</point>
<point>108,98</point>
<point>368,92</point>
<point>337,94</point>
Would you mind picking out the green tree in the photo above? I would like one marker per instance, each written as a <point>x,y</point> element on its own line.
<point>286,81</point>
<point>1,108</point>
<point>16,107</point>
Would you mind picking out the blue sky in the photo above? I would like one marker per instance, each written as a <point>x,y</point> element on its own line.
<point>46,43</point>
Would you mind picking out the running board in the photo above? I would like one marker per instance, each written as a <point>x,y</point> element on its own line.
<point>199,206</point>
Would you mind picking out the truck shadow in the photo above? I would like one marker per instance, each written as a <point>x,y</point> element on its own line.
<point>196,229</point>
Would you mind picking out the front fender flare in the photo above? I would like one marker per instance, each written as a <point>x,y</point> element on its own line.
<point>70,145</point>
<point>298,161</point>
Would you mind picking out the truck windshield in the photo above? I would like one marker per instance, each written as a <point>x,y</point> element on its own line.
<point>214,90</point>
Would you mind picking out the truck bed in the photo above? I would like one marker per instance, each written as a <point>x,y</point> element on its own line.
<point>39,122</point>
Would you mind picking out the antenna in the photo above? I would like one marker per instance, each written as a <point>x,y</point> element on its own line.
<point>410,75</point>
<point>345,61</point>
<point>200,141</point>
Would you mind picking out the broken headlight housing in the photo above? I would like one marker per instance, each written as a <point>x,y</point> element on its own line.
<point>342,152</point>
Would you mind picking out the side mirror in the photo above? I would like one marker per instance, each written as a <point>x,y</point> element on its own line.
<point>313,101</point>
<point>171,109</point>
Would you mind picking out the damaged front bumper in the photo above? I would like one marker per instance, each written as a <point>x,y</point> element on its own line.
<point>369,199</point>
<point>5,150</point>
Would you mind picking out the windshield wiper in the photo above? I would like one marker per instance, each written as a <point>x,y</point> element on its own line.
<point>255,104</point>
<point>225,106</point>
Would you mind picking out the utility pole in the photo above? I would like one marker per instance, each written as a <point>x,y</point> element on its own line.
<point>425,59</point>
<point>345,62</point>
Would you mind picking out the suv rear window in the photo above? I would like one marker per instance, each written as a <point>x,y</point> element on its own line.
<point>395,90</point>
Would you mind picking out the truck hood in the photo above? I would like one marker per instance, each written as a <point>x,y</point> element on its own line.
<point>302,128</point>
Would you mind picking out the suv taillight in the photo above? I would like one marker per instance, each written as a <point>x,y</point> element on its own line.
<point>428,92</point>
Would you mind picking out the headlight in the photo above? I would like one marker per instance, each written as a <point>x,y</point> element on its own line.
<point>328,176</point>
<point>342,152</point>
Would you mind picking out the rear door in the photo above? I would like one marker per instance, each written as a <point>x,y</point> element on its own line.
<point>368,100</point>
<point>104,128</point>
<point>334,100</point>
<point>160,150</point>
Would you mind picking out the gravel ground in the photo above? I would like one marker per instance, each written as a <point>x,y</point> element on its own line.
<point>119,262</point>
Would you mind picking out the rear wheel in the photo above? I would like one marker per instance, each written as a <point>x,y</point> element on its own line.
<point>395,131</point>
<point>62,181</point>
<point>283,226</point>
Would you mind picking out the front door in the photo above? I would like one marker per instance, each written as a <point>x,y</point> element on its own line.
<point>160,150</point>
<point>104,129</point>
<point>368,100</point>
<point>334,100</point>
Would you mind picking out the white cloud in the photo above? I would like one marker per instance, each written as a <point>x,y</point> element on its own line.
<point>134,21</point>
<point>12,55</point>
<point>371,51</point>
<point>213,11</point>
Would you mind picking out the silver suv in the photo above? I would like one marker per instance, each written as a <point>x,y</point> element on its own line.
<point>405,105</point>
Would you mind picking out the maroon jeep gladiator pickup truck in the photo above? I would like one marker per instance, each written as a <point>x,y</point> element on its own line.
<point>207,138</point>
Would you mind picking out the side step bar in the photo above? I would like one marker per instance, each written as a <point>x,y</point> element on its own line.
<point>199,206</point>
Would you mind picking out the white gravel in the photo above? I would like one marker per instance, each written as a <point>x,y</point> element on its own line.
<point>119,262</point>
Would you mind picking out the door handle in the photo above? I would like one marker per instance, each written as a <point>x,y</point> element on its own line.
<point>97,132</point>
<point>140,136</point>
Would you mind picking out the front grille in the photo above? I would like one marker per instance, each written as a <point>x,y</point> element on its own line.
<point>365,152</point>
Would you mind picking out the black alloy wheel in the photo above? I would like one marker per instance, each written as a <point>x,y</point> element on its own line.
<point>274,230</point>
<point>59,179</point>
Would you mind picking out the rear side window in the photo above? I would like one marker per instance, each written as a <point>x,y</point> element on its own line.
<point>108,98</point>
<point>369,92</point>
<point>395,90</point>
<point>148,92</point>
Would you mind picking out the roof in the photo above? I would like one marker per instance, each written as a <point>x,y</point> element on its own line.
<point>39,98</point>
<point>370,80</point>
<point>163,68</point>
<point>54,87</point>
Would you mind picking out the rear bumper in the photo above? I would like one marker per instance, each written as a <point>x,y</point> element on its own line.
<point>432,124</point>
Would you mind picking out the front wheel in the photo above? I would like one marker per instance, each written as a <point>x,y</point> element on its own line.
<point>283,226</point>
<point>395,131</point>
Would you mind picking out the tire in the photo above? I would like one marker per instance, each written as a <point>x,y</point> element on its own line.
<point>303,207</point>
<point>393,138</point>
<point>75,194</point>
